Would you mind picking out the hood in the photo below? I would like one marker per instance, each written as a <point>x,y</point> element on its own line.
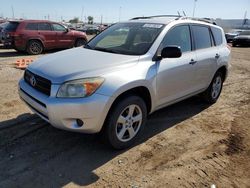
<point>74,32</point>
<point>79,63</point>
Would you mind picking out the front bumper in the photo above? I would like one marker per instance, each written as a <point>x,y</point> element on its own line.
<point>63,113</point>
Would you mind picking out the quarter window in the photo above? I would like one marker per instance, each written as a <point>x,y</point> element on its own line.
<point>217,36</point>
<point>202,38</point>
<point>179,36</point>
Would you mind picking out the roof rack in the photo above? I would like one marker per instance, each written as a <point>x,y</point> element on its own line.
<point>157,16</point>
<point>177,17</point>
<point>207,20</point>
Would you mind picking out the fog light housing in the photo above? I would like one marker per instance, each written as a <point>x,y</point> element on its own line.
<point>79,122</point>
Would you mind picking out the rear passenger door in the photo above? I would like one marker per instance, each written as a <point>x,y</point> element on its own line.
<point>47,34</point>
<point>176,76</point>
<point>206,53</point>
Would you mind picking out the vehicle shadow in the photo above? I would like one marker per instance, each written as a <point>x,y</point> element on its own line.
<point>48,157</point>
<point>13,53</point>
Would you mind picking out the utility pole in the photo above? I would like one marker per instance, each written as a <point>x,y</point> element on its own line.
<point>13,14</point>
<point>244,19</point>
<point>120,10</point>
<point>194,7</point>
<point>82,13</point>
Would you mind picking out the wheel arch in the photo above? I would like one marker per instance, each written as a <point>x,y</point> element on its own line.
<point>140,91</point>
<point>224,71</point>
<point>35,39</point>
<point>80,38</point>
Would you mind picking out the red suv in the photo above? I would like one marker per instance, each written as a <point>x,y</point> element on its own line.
<point>35,36</point>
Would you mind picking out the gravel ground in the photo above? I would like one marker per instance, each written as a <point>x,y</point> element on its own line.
<point>189,144</point>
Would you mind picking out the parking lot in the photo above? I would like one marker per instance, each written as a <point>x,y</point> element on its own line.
<point>189,144</point>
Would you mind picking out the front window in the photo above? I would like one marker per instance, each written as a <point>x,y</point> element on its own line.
<point>126,38</point>
<point>178,36</point>
<point>58,27</point>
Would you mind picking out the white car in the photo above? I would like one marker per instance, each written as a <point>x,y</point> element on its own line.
<point>126,72</point>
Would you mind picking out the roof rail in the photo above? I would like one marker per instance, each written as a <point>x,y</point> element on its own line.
<point>157,16</point>
<point>177,17</point>
<point>207,20</point>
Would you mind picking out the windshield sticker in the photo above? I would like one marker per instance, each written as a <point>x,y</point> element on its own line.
<point>158,26</point>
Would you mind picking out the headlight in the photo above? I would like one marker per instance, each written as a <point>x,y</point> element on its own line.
<point>80,88</point>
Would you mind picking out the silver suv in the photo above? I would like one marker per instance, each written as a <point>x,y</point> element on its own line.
<point>125,73</point>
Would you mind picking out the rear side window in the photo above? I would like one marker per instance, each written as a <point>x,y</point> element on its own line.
<point>201,37</point>
<point>217,36</point>
<point>44,27</point>
<point>179,36</point>
<point>31,26</point>
<point>11,26</point>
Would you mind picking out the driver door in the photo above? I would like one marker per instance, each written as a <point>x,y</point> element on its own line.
<point>63,37</point>
<point>176,76</point>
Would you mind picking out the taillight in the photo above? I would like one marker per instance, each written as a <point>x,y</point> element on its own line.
<point>18,36</point>
<point>229,47</point>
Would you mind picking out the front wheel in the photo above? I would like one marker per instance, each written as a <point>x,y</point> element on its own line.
<point>125,122</point>
<point>212,93</point>
<point>80,42</point>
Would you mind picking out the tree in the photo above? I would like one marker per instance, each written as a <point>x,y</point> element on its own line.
<point>90,20</point>
<point>75,20</point>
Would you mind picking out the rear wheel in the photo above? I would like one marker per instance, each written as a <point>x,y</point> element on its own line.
<point>125,122</point>
<point>80,42</point>
<point>34,47</point>
<point>212,93</point>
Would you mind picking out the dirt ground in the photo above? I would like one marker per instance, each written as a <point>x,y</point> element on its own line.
<point>189,144</point>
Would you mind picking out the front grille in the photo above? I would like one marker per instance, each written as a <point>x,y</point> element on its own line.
<point>39,83</point>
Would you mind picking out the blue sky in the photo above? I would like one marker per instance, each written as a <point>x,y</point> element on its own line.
<point>109,9</point>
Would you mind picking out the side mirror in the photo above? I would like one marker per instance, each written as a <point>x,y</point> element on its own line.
<point>171,52</point>
<point>67,30</point>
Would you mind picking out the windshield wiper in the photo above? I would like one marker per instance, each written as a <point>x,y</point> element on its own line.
<point>105,50</point>
<point>87,46</point>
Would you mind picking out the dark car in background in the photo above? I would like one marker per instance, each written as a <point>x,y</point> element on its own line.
<point>90,29</point>
<point>35,36</point>
<point>243,39</point>
<point>230,35</point>
<point>2,26</point>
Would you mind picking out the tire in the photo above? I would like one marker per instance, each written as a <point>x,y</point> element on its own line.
<point>234,44</point>
<point>125,122</point>
<point>80,42</point>
<point>34,47</point>
<point>213,92</point>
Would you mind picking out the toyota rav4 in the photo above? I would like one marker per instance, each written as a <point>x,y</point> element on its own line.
<point>126,72</point>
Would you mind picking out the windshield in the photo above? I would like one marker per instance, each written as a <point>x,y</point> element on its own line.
<point>11,26</point>
<point>126,38</point>
<point>245,33</point>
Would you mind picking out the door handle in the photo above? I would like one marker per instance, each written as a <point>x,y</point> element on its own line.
<point>217,56</point>
<point>192,62</point>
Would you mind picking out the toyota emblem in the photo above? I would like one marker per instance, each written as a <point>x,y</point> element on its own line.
<point>33,81</point>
